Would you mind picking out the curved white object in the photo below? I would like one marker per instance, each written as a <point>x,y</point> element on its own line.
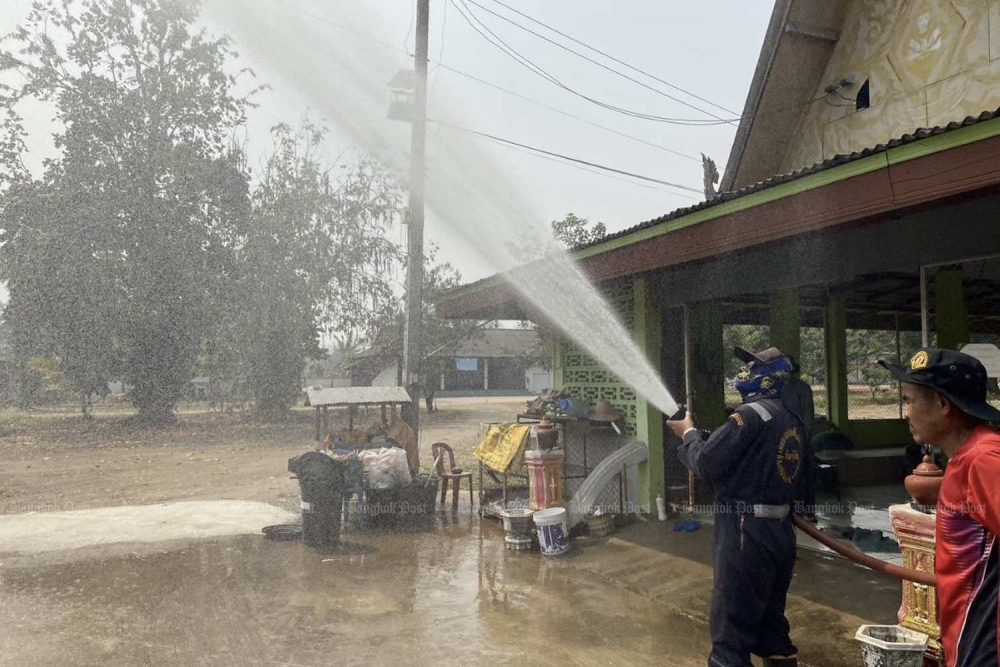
<point>630,455</point>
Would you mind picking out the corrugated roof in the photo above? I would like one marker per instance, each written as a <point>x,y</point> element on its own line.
<point>721,198</point>
<point>835,161</point>
<point>494,343</point>
<point>491,343</point>
<point>338,396</point>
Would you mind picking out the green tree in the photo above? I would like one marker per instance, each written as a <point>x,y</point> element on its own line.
<point>440,336</point>
<point>151,196</point>
<point>59,280</point>
<point>573,231</point>
<point>864,350</point>
<point>347,347</point>
<point>315,256</point>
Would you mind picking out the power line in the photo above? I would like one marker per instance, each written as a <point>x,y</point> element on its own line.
<point>500,44</point>
<point>323,19</point>
<point>611,57</point>
<point>513,53</point>
<point>406,40</point>
<point>600,64</point>
<point>591,171</point>
<point>566,157</point>
<point>484,82</point>
<point>567,114</point>
<point>387,45</point>
<point>444,25</point>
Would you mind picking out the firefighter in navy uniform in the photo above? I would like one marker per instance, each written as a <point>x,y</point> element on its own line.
<point>756,461</point>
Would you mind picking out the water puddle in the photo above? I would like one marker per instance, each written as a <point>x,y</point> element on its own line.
<point>452,596</point>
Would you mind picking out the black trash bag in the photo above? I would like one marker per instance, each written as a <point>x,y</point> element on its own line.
<point>321,487</point>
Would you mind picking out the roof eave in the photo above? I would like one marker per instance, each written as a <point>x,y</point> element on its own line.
<point>779,17</point>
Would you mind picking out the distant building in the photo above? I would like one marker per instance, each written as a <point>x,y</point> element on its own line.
<point>489,360</point>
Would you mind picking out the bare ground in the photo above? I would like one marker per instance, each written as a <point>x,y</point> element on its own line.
<point>57,461</point>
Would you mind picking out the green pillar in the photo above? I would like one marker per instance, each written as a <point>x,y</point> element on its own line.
<point>649,420</point>
<point>785,322</point>
<point>835,343</point>
<point>558,368</point>
<point>951,321</point>
<point>706,363</point>
<point>672,370</point>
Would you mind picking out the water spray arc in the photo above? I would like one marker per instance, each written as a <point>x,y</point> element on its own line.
<point>472,196</point>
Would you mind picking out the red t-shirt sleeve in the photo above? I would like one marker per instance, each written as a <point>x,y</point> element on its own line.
<point>984,490</point>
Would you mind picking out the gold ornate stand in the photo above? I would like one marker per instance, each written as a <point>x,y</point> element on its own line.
<point>919,610</point>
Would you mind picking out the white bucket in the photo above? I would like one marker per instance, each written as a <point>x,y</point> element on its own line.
<point>891,646</point>
<point>553,531</point>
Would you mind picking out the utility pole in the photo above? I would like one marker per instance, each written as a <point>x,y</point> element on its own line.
<point>415,229</point>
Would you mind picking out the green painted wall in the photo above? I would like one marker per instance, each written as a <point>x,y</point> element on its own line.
<point>584,378</point>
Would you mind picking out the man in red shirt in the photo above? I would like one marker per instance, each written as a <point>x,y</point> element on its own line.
<point>944,394</point>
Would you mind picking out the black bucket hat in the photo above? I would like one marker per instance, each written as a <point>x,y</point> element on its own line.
<point>768,356</point>
<point>958,377</point>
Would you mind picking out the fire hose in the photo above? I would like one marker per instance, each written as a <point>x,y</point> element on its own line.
<point>850,553</point>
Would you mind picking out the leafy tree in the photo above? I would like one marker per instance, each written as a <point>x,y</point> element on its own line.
<point>135,222</point>
<point>58,278</point>
<point>440,336</point>
<point>316,254</point>
<point>864,350</point>
<point>347,347</point>
<point>813,355</point>
<point>573,231</point>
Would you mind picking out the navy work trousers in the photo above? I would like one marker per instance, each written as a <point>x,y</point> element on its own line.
<point>754,560</point>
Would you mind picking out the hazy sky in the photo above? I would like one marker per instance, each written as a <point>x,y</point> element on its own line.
<point>708,47</point>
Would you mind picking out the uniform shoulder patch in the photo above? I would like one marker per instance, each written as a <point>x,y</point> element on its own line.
<point>761,411</point>
<point>738,418</point>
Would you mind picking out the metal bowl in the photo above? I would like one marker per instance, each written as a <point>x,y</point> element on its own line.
<point>518,521</point>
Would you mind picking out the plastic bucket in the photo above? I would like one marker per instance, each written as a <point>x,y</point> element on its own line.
<point>891,646</point>
<point>553,531</point>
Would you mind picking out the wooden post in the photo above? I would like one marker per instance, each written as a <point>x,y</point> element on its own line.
<point>326,423</point>
<point>318,437</point>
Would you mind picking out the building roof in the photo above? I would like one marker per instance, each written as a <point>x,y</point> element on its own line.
<point>482,343</point>
<point>890,158</point>
<point>494,343</point>
<point>835,161</point>
<point>799,42</point>
<point>340,396</point>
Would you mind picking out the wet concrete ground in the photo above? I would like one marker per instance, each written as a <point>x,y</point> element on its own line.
<point>449,597</point>
<point>447,593</point>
